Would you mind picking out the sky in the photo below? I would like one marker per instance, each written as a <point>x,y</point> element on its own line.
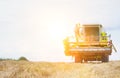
<point>35,28</point>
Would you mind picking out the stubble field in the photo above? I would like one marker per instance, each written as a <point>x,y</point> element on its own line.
<point>25,69</point>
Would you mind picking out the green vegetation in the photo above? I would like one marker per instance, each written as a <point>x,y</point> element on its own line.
<point>22,59</point>
<point>3,59</point>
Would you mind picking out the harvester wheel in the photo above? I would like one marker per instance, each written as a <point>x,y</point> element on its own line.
<point>78,59</point>
<point>105,58</point>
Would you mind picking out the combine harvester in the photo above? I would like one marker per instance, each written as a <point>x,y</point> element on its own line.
<point>90,43</point>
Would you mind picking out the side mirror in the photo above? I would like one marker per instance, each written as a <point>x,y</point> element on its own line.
<point>109,36</point>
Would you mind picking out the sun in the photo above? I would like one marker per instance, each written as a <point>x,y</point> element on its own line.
<point>57,31</point>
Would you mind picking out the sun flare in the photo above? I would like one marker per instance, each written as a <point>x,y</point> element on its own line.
<point>57,31</point>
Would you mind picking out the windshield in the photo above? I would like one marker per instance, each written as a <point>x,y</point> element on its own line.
<point>91,33</point>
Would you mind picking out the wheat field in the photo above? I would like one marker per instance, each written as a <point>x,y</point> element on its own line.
<point>25,69</point>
